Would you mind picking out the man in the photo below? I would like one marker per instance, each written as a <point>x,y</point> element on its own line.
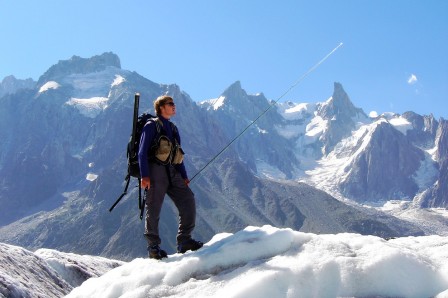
<point>163,172</point>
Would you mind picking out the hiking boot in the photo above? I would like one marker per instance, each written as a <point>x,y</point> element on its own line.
<point>155,252</point>
<point>189,244</point>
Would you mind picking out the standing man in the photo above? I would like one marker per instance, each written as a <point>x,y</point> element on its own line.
<point>163,172</point>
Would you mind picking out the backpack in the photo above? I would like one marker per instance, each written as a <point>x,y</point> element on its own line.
<point>138,122</point>
<point>134,144</point>
<point>162,150</point>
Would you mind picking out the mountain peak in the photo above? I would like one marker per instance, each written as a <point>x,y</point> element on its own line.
<point>78,65</point>
<point>234,90</point>
<point>342,116</point>
<point>339,104</point>
<point>11,84</point>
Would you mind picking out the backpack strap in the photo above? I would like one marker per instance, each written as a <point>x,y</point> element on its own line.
<point>175,132</point>
<point>157,121</point>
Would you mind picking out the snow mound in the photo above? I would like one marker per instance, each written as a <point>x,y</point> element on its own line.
<point>49,85</point>
<point>46,273</point>
<point>271,262</point>
<point>118,80</point>
<point>401,124</point>
<point>75,269</point>
<point>293,111</point>
<point>24,274</point>
<point>89,107</point>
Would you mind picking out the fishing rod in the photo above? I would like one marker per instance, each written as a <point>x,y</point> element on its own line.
<point>268,108</point>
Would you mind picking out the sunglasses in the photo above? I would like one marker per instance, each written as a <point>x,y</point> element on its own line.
<point>172,104</point>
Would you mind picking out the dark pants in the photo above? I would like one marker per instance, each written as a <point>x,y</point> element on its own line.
<point>166,180</point>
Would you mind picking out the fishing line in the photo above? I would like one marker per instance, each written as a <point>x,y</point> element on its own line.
<point>268,108</point>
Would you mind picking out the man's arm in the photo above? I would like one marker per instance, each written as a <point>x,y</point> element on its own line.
<point>148,134</point>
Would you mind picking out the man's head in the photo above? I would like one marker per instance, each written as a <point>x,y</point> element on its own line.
<point>164,106</point>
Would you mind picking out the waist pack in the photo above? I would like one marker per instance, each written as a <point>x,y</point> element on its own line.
<point>165,152</point>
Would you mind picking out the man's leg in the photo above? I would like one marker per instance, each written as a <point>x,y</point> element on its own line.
<point>154,200</point>
<point>184,200</point>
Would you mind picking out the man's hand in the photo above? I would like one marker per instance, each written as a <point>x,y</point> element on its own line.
<point>145,183</point>
<point>187,182</point>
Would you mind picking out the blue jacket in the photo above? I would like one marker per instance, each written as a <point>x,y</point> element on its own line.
<point>149,132</point>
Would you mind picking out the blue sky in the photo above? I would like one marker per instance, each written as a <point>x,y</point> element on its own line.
<point>394,57</point>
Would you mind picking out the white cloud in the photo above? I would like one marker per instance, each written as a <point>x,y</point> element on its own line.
<point>373,114</point>
<point>412,79</point>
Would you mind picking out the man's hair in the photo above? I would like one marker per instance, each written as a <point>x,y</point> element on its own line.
<point>160,101</point>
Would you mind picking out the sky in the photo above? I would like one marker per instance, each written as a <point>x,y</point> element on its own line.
<point>393,58</point>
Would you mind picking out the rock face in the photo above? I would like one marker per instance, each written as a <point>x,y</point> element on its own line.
<point>385,167</point>
<point>235,112</point>
<point>342,118</point>
<point>442,141</point>
<point>437,196</point>
<point>424,132</point>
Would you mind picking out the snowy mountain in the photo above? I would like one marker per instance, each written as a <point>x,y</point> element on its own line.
<point>45,272</point>
<point>312,167</point>
<point>254,262</point>
<point>369,160</point>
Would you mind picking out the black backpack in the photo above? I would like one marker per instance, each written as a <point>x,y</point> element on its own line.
<point>134,144</point>
<point>138,123</point>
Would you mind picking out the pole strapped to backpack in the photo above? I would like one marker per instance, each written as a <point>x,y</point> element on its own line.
<point>132,155</point>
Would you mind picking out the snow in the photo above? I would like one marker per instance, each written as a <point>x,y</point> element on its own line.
<point>91,176</point>
<point>254,262</point>
<point>290,131</point>
<point>261,130</point>
<point>332,169</point>
<point>429,220</point>
<point>118,80</point>
<point>49,85</point>
<point>433,152</point>
<point>273,262</point>
<point>218,102</point>
<point>89,107</point>
<point>401,124</point>
<point>75,269</point>
<point>427,173</point>
<point>296,111</point>
<point>90,91</point>
<point>269,171</point>
<point>46,273</point>
<point>295,114</point>
<point>96,84</point>
<point>21,272</point>
<point>214,103</point>
<point>315,129</point>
